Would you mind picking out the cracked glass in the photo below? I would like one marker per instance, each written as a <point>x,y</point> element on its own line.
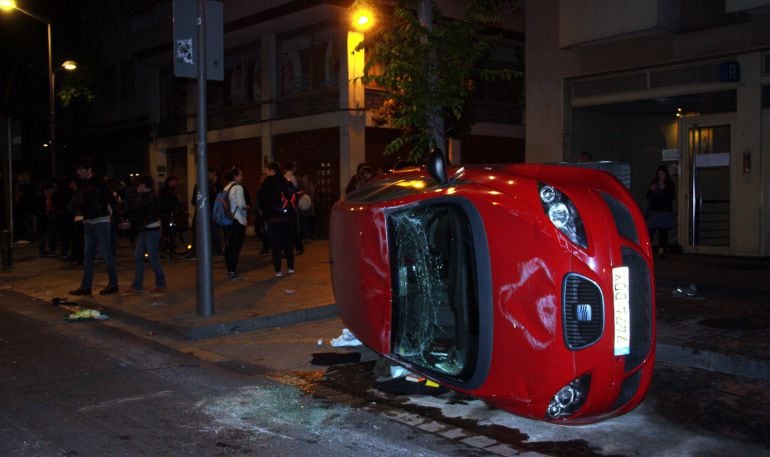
<point>435,304</point>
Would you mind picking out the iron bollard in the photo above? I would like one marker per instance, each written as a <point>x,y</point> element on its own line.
<point>5,249</point>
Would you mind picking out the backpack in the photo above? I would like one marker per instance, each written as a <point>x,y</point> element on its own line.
<point>221,212</point>
<point>288,199</point>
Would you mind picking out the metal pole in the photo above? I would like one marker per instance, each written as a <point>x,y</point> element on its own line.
<point>51,105</point>
<point>7,238</point>
<point>9,212</point>
<point>51,100</point>
<point>205,284</point>
<point>435,118</point>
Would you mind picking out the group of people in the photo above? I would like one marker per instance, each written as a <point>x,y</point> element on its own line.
<point>98,207</point>
<point>82,216</point>
<point>282,203</point>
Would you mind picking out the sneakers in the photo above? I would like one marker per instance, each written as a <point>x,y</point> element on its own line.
<point>279,274</point>
<point>232,275</point>
<point>131,291</point>
<point>157,290</point>
<point>80,291</point>
<point>291,271</point>
<point>109,290</point>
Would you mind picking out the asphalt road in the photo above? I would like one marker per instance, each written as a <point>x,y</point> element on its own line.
<point>84,389</point>
<point>93,389</point>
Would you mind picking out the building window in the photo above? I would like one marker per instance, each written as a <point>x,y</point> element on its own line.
<point>308,62</point>
<point>243,76</point>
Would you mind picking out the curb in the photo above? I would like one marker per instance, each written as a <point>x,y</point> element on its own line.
<point>226,328</point>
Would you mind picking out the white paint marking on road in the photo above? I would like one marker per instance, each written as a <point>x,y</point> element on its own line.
<point>107,404</point>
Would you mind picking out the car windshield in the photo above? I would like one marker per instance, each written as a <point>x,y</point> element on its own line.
<point>435,304</point>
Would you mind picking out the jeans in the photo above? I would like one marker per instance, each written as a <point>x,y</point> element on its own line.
<point>97,236</point>
<point>235,234</point>
<point>148,241</point>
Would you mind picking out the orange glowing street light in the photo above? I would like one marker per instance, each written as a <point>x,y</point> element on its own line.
<point>363,19</point>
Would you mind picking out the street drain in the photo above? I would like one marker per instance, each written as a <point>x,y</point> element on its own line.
<point>735,323</point>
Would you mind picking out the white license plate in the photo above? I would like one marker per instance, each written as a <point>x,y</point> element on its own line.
<point>620,294</point>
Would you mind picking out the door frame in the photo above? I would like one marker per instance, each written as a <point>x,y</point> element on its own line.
<point>685,184</point>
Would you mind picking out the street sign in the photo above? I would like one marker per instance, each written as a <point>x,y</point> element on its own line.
<point>729,72</point>
<point>185,43</point>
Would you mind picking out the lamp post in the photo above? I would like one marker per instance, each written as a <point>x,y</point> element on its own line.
<point>9,5</point>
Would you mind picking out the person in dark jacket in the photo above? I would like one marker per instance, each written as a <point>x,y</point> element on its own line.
<point>275,202</point>
<point>93,202</point>
<point>660,211</point>
<point>145,217</point>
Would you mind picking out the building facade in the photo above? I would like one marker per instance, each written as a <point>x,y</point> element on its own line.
<point>682,83</point>
<point>289,93</point>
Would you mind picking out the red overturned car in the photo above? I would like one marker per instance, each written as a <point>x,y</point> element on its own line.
<point>529,286</point>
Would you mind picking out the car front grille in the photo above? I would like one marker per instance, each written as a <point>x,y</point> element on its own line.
<point>628,389</point>
<point>624,223</point>
<point>583,309</point>
<point>640,303</point>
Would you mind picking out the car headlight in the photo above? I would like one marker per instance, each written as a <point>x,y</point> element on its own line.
<point>562,214</point>
<point>569,398</point>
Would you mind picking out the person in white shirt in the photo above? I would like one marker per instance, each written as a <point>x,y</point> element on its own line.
<point>237,230</point>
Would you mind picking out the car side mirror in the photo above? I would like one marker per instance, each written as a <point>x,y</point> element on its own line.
<point>437,166</point>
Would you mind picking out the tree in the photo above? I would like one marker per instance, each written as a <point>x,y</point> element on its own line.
<point>427,65</point>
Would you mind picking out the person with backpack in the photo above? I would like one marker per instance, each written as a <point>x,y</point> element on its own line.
<point>278,201</point>
<point>233,205</point>
<point>93,201</point>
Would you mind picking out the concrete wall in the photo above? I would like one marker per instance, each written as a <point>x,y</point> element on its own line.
<point>546,66</point>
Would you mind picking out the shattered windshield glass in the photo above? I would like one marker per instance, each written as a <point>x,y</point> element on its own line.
<point>435,305</point>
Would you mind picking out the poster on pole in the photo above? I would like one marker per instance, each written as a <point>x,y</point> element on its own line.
<point>185,50</point>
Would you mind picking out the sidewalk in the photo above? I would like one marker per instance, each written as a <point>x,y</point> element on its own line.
<point>257,300</point>
<point>725,328</point>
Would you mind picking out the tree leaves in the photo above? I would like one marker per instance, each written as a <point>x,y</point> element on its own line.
<point>401,52</point>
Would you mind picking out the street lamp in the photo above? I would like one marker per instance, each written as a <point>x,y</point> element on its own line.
<point>363,18</point>
<point>9,5</point>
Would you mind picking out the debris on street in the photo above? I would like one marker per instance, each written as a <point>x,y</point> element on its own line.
<point>690,292</point>
<point>345,339</point>
<point>335,358</point>
<point>56,301</point>
<point>85,315</point>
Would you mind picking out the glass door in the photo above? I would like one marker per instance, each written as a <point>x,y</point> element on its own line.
<point>707,154</point>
